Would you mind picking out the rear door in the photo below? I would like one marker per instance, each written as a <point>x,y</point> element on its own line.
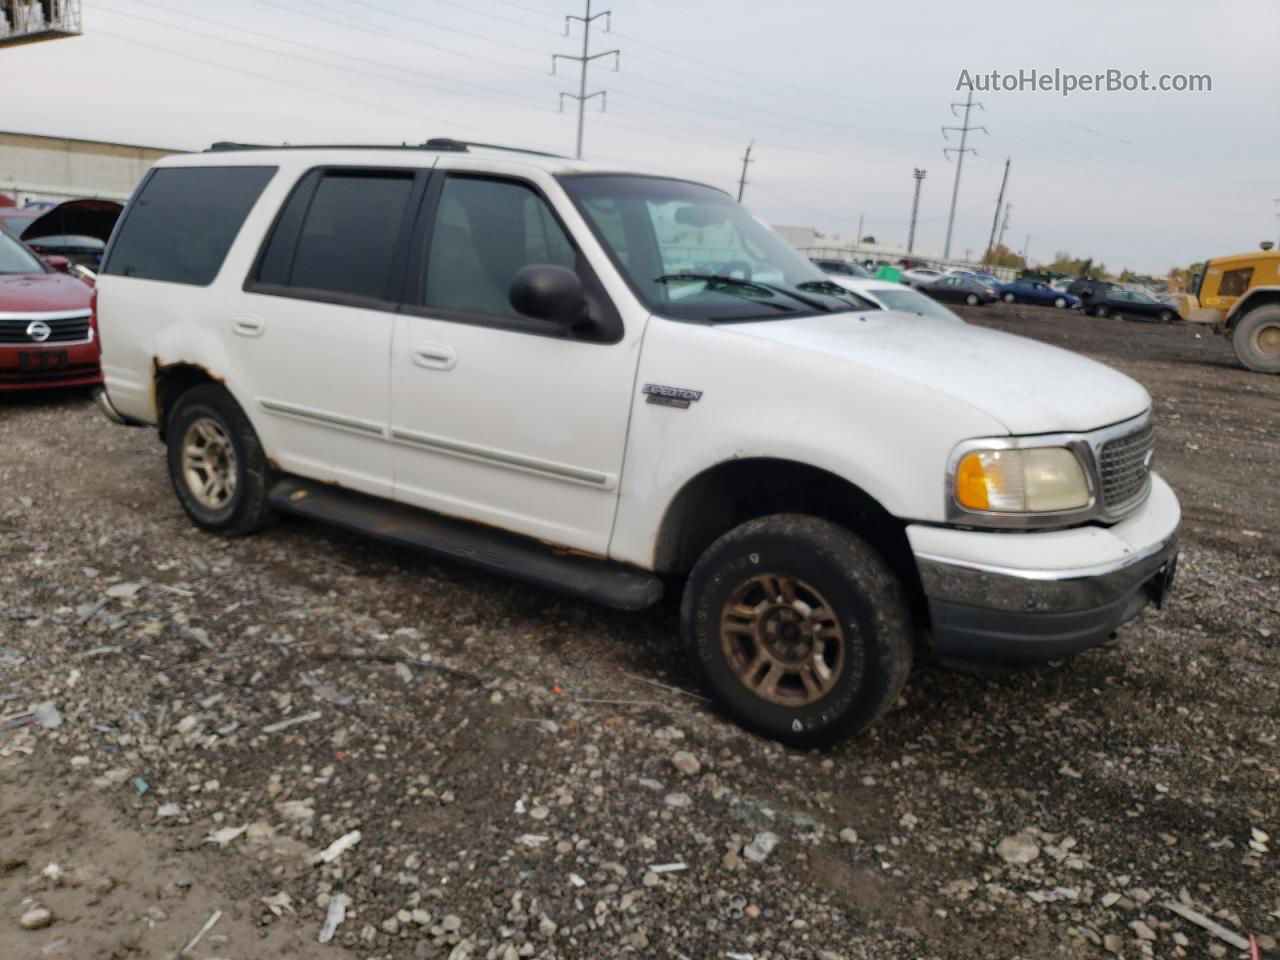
<point>312,334</point>
<point>495,416</point>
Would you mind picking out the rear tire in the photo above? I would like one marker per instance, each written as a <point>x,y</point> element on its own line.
<point>1060,302</point>
<point>1256,339</point>
<point>1166,316</point>
<point>971,299</point>
<point>1009,298</point>
<point>1101,311</point>
<point>797,628</point>
<point>216,464</point>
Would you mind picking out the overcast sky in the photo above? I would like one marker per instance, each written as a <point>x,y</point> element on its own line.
<point>842,98</point>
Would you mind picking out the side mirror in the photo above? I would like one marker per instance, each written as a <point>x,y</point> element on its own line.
<point>551,293</point>
<point>61,264</point>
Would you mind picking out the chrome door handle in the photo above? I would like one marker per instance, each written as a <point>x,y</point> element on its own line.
<point>434,356</point>
<point>248,326</point>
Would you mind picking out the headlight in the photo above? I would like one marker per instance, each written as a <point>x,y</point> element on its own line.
<point>1029,480</point>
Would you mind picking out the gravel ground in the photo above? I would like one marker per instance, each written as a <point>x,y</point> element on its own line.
<point>304,724</point>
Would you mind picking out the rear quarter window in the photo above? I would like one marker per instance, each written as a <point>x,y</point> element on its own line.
<point>183,221</point>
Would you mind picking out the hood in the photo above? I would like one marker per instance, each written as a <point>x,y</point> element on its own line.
<point>1028,386</point>
<point>42,293</point>
<point>86,218</point>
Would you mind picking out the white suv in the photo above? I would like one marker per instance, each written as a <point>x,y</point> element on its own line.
<point>617,384</point>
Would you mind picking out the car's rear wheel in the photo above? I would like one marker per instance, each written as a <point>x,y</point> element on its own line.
<point>971,299</point>
<point>1166,316</point>
<point>1256,339</point>
<point>798,628</point>
<point>216,464</point>
<point>1060,302</point>
<point>1101,310</point>
<point>1009,298</point>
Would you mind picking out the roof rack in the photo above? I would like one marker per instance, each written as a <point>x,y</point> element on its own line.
<point>445,144</point>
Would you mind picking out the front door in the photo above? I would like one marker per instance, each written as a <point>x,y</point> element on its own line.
<point>497,417</point>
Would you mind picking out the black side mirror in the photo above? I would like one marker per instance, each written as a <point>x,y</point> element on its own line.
<point>551,293</point>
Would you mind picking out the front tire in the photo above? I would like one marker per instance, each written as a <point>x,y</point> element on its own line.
<point>798,629</point>
<point>971,299</point>
<point>1060,302</point>
<point>1101,311</point>
<point>1009,298</point>
<point>1256,339</point>
<point>216,464</point>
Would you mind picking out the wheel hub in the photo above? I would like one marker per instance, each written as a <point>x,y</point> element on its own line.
<point>782,640</point>
<point>209,463</point>
<point>1268,340</point>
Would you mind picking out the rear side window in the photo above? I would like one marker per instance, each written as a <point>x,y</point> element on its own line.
<point>181,225</point>
<point>339,233</point>
<point>1235,282</point>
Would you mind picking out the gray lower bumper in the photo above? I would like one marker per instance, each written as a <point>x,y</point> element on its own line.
<point>110,412</point>
<point>984,616</point>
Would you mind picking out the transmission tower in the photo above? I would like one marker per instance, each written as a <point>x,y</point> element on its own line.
<point>584,60</point>
<point>964,129</point>
<point>919,176</point>
<point>996,219</point>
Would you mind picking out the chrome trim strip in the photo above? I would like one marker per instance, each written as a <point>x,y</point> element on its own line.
<point>81,314</point>
<point>994,587</point>
<point>502,459</point>
<point>319,416</point>
<point>1086,446</point>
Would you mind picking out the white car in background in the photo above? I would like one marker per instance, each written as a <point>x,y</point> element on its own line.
<point>920,276</point>
<point>894,296</point>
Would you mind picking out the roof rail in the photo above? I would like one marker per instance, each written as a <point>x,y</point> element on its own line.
<point>435,143</point>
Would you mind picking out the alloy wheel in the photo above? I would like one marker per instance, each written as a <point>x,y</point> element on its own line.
<point>209,463</point>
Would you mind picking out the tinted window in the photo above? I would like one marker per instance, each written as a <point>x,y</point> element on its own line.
<point>1235,282</point>
<point>485,232</point>
<point>350,232</point>
<point>180,227</point>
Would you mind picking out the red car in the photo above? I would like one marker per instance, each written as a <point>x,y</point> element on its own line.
<point>48,335</point>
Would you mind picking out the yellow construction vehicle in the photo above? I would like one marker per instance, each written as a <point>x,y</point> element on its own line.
<point>1240,297</point>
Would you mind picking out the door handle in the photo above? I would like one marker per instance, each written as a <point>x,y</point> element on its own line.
<point>434,356</point>
<point>248,326</point>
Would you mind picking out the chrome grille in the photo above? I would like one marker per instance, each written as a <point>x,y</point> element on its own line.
<point>64,330</point>
<point>1125,464</point>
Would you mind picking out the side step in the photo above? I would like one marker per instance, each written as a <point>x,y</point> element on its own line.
<point>609,584</point>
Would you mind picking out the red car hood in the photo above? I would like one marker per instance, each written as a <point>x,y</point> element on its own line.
<point>42,293</point>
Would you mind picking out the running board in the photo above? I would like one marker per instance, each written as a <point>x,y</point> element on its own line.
<point>487,548</point>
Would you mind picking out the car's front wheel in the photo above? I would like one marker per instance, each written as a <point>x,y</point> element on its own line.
<point>216,464</point>
<point>971,299</point>
<point>798,628</point>
<point>1166,316</point>
<point>1256,339</point>
<point>1101,310</point>
<point>1060,302</point>
<point>1009,298</point>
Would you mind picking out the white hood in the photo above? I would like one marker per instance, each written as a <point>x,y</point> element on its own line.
<point>1030,387</point>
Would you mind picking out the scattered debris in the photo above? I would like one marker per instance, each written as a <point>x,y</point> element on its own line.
<point>200,934</point>
<point>225,836</point>
<point>334,916</point>
<point>1200,920</point>
<point>758,850</point>
<point>337,848</point>
<point>292,722</point>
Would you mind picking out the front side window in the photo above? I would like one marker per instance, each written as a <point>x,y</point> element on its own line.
<point>690,252</point>
<point>485,232</point>
<point>338,233</point>
<point>15,258</point>
<point>182,223</point>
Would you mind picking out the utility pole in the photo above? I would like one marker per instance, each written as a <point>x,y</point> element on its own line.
<point>996,219</point>
<point>918,175</point>
<point>1004,226</point>
<point>857,241</point>
<point>964,138</point>
<point>584,60</point>
<point>1026,246</point>
<point>746,160</point>
<point>1276,201</point>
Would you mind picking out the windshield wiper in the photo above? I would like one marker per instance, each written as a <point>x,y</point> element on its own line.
<point>832,289</point>
<point>769,288</point>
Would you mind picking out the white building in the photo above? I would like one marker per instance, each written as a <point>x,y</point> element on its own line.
<point>34,167</point>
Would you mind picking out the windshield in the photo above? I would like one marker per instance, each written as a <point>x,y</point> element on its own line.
<point>911,301</point>
<point>690,252</point>
<point>15,258</point>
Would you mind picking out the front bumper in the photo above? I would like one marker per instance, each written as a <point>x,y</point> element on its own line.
<point>1000,600</point>
<point>80,369</point>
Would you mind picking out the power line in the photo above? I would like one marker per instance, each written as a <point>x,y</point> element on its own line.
<point>584,60</point>
<point>964,129</point>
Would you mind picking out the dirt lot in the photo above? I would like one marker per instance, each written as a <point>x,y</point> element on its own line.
<point>526,792</point>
